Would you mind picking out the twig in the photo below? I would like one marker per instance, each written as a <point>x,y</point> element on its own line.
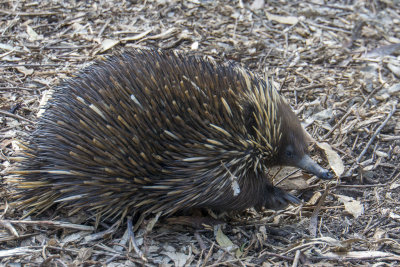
<point>28,65</point>
<point>6,224</point>
<point>367,229</point>
<point>339,122</point>
<point>287,176</point>
<point>328,27</point>
<point>208,255</point>
<point>53,223</point>
<point>350,9</point>
<point>296,258</point>
<point>360,185</point>
<point>103,28</point>
<point>314,216</point>
<point>271,254</point>
<point>21,88</point>
<point>133,241</point>
<point>8,114</point>
<point>31,14</point>
<point>200,241</point>
<point>376,133</point>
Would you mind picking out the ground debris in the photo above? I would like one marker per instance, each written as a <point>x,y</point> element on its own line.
<point>337,62</point>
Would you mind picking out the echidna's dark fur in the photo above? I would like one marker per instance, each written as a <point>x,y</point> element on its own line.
<point>148,131</point>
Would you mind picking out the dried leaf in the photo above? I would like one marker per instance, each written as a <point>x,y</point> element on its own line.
<point>107,44</point>
<point>394,186</point>
<point>150,224</point>
<point>384,50</point>
<point>381,154</point>
<point>24,70</point>
<point>33,36</point>
<point>394,216</point>
<point>314,199</point>
<point>288,178</point>
<point>394,89</point>
<point>71,238</point>
<point>394,68</point>
<point>179,258</point>
<point>223,240</point>
<point>334,159</point>
<point>5,143</point>
<point>323,115</point>
<point>351,205</point>
<point>257,4</point>
<point>6,47</point>
<point>238,253</point>
<point>282,19</point>
<point>379,234</point>
<point>194,46</point>
<point>85,253</point>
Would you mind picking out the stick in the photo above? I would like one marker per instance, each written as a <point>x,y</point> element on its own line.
<point>376,133</point>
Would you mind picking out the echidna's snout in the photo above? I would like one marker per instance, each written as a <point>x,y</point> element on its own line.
<point>307,164</point>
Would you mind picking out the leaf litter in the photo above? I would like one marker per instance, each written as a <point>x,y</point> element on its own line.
<point>337,62</point>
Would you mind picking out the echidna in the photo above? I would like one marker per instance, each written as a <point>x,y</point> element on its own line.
<point>149,131</point>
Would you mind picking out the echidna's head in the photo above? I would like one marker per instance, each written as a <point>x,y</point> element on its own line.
<point>293,145</point>
<point>277,131</point>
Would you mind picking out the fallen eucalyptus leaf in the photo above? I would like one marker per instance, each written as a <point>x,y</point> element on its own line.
<point>334,159</point>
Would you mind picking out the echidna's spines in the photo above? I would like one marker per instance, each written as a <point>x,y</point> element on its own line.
<point>149,131</point>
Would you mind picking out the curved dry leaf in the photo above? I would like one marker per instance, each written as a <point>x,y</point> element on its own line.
<point>394,68</point>
<point>24,70</point>
<point>314,199</point>
<point>257,4</point>
<point>282,19</point>
<point>354,207</point>
<point>334,159</point>
<point>179,258</point>
<point>223,240</point>
<point>33,36</point>
<point>394,216</point>
<point>137,36</point>
<point>107,44</point>
<point>194,45</point>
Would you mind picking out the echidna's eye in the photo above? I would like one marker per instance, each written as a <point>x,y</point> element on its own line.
<point>289,152</point>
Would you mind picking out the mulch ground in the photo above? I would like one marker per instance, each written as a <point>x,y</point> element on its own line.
<point>338,64</point>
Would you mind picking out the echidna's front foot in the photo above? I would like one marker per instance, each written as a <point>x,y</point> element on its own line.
<point>278,199</point>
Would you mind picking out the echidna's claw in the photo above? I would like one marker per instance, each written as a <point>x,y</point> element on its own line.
<point>307,164</point>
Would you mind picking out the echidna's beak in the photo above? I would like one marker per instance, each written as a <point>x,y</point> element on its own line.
<point>307,164</point>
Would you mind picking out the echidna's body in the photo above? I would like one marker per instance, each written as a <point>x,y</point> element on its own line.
<point>148,131</point>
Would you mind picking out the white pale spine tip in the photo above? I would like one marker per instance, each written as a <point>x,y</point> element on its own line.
<point>221,130</point>
<point>59,172</point>
<point>193,84</point>
<point>171,135</point>
<point>71,198</point>
<point>195,159</point>
<point>227,107</point>
<point>97,110</point>
<point>80,99</point>
<point>214,142</point>
<point>136,101</point>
